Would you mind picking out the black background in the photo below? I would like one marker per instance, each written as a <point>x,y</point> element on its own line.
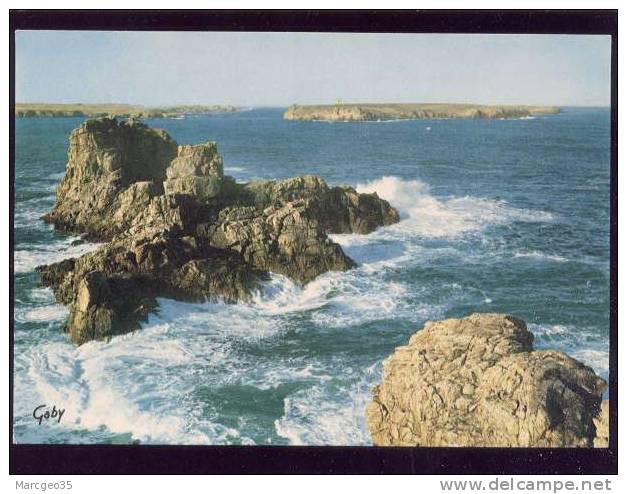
<point>144,459</point>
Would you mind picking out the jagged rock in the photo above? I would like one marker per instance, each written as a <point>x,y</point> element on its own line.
<point>109,291</point>
<point>135,198</point>
<point>196,171</point>
<point>602,425</point>
<point>344,210</point>
<point>337,209</point>
<point>283,239</point>
<point>176,227</point>
<point>108,305</point>
<point>170,215</point>
<point>105,158</point>
<point>477,381</point>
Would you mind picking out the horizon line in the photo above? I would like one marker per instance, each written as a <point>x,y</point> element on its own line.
<point>283,105</point>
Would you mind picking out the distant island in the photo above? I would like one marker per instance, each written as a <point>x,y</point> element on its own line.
<point>411,111</point>
<point>23,110</point>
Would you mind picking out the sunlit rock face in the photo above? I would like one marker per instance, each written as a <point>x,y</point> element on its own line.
<point>477,381</point>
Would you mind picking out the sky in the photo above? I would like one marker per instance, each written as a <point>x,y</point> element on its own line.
<point>280,69</point>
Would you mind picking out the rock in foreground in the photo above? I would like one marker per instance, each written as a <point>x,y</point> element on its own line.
<point>477,381</point>
<point>177,227</point>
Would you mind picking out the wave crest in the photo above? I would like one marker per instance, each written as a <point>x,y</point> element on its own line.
<point>429,216</point>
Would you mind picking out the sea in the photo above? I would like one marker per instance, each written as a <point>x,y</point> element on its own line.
<point>508,216</point>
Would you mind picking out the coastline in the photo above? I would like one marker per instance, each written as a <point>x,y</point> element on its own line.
<point>61,110</point>
<point>380,112</point>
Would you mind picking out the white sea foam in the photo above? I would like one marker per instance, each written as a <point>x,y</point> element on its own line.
<point>236,169</point>
<point>28,213</point>
<point>329,415</point>
<point>57,176</point>
<point>29,218</point>
<point>142,383</point>
<point>599,360</point>
<point>130,385</point>
<point>272,374</point>
<point>428,216</point>
<point>218,321</point>
<point>46,313</point>
<point>42,295</point>
<point>27,259</point>
<point>145,383</point>
<point>539,255</point>
<point>359,300</point>
<point>580,343</point>
<point>335,299</point>
<point>280,295</point>
<point>39,306</point>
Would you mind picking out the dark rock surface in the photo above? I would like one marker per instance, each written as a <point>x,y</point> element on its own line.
<point>337,209</point>
<point>176,227</point>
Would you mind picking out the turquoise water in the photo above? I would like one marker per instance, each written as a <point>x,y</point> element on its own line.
<point>497,216</point>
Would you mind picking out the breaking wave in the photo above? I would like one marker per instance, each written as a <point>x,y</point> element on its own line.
<point>297,356</point>
<point>428,216</point>
<point>539,255</point>
<point>580,343</point>
<point>29,257</point>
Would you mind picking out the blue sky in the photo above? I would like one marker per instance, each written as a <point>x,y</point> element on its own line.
<point>278,69</point>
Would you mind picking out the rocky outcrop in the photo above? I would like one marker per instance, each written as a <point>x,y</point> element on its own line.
<point>337,209</point>
<point>114,170</point>
<point>477,381</point>
<point>285,239</point>
<point>410,111</point>
<point>111,290</point>
<point>176,227</point>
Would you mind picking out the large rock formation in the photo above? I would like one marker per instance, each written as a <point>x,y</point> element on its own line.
<point>109,291</point>
<point>477,381</point>
<point>114,169</point>
<point>283,239</point>
<point>176,227</point>
<point>337,209</point>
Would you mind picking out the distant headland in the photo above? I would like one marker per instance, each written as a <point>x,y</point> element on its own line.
<point>342,112</point>
<point>115,110</point>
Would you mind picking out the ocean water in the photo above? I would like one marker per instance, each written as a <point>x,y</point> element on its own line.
<point>497,216</point>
